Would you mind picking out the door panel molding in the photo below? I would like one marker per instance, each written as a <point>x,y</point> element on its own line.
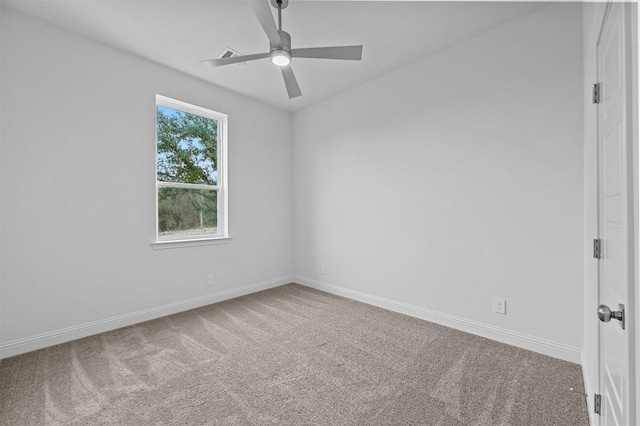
<point>616,276</point>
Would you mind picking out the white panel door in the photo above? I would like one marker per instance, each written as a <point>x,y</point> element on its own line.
<point>614,215</point>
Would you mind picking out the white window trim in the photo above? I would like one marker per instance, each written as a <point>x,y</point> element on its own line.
<point>191,242</point>
<point>222,236</point>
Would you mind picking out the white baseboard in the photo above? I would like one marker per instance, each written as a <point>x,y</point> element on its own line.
<point>31,343</point>
<point>532,343</point>
<point>27,344</point>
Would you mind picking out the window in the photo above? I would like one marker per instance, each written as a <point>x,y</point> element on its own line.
<point>191,191</point>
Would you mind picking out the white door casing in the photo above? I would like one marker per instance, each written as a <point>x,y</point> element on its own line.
<point>615,220</point>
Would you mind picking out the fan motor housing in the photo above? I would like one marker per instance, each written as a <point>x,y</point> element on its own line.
<point>285,40</point>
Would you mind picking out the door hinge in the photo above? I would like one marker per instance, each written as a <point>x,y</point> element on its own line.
<point>597,249</point>
<point>596,93</point>
<point>597,403</point>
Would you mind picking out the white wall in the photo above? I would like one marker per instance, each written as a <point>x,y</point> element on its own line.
<point>429,190</point>
<point>453,180</point>
<point>78,208</point>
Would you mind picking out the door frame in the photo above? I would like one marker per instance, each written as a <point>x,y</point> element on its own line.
<point>635,177</point>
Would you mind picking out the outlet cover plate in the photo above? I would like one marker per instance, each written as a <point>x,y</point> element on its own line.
<point>499,306</point>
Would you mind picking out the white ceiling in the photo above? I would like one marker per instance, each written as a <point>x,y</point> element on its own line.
<point>180,33</point>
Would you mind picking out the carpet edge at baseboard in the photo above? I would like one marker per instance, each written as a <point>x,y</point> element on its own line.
<point>55,337</point>
<point>521,340</point>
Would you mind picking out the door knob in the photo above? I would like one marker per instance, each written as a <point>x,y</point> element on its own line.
<point>605,314</point>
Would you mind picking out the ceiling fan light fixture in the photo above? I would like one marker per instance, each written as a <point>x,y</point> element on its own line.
<point>280,57</point>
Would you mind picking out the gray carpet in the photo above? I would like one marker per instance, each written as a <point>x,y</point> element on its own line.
<point>288,356</point>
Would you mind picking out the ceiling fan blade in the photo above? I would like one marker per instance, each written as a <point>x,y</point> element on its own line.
<point>352,53</point>
<point>290,81</point>
<point>233,59</point>
<point>263,13</point>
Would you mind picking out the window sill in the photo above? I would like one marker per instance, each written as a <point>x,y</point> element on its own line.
<point>189,242</point>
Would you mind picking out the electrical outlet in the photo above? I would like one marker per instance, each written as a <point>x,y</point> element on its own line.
<point>323,269</point>
<point>499,306</point>
<point>210,279</point>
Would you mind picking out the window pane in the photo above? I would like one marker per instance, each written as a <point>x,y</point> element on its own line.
<point>187,147</point>
<point>187,211</point>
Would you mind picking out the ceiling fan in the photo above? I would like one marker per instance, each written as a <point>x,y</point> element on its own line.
<point>280,50</point>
